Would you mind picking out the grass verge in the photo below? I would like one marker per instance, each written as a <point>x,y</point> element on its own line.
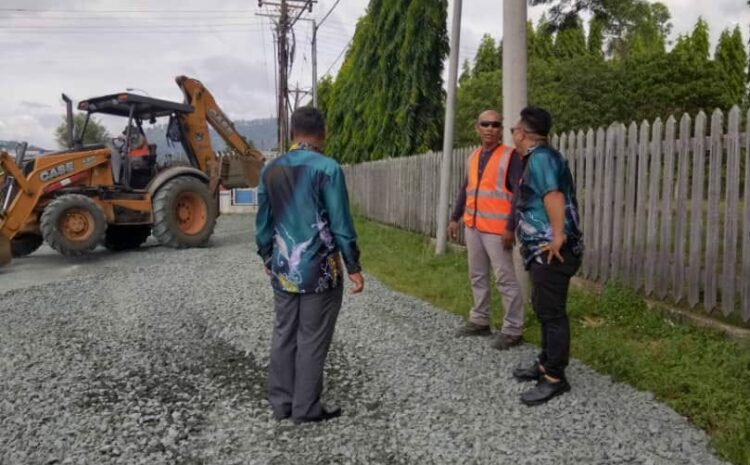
<point>700,374</point>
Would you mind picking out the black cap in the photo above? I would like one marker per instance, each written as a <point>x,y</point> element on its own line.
<point>537,120</point>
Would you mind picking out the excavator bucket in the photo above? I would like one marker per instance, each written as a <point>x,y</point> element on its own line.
<point>5,253</point>
<point>239,171</point>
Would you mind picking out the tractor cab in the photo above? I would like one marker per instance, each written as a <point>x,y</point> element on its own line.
<point>134,157</point>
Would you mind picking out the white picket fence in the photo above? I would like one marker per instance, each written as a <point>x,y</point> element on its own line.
<point>662,206</point>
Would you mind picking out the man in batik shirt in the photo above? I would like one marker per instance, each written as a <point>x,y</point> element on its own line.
<point>548,231</point>
<point>303,227</point>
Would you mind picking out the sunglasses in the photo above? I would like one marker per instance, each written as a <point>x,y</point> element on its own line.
<point>494,124</point>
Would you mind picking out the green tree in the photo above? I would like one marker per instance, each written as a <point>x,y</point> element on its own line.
<point>325,88</point>
<point>387,99</point>
<point>731,66</point>
<point>595,42</point>
<point>570,41</point>
<point>487,57</point>
<point>542,44</point>
<point>477,94</point>
<point>95,133</point>
<point>465,73</point>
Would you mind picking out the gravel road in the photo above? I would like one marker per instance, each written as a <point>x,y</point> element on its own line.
<point>158,356</point>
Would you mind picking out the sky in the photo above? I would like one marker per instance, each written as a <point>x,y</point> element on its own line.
<point>96,47</point>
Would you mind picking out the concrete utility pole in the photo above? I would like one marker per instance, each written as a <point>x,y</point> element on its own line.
<point>450,114</point>
<point>515,92</point>
<point>514,63</point>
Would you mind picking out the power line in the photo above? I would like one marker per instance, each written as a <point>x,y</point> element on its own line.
<point>346,47</point>
<point>126,32</point>
<point>285,19</point>
<point>131,19</point>
<point>126,26</point>
<point>32,10</point>
<point>320,23</point>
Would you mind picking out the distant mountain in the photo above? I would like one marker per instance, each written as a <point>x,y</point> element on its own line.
<point>262,133</point>
<point>10,147</point>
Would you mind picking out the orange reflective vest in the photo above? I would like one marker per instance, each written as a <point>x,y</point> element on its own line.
<point>488,201</point>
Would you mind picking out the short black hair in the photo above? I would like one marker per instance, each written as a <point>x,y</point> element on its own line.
<point>537,120</point>
<point>308,121</point>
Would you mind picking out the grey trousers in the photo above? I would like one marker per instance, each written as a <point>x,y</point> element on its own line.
<point>486,255</point>
<point>302,335</point>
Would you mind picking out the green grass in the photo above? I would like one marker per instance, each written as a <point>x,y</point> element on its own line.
<point>700,374</point>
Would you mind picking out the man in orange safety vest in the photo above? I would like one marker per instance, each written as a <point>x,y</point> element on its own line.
<point>485,203</point>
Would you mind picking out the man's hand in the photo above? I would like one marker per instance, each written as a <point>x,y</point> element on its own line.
<point>453,230</point>
<point>553,248</point>
<point>509,240</point>
<point>359,282</point>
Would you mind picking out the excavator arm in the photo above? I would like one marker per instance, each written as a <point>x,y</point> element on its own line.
<point>239,170</point>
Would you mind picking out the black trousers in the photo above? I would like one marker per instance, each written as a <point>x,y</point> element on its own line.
<point>549,295</point>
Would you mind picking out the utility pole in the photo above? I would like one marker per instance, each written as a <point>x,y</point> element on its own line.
<point>315,27</point>
<point>286,16</point>
<point>450,114</point>
<point>515,93</point>
<point>282,47</point>
<point>314,44</point>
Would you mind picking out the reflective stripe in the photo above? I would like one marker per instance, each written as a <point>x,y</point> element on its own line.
<point>502,168</point>
<point>492,216</point>
<point>493,194</point>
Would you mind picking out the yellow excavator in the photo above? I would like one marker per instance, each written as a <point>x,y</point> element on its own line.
<point>118,194</point>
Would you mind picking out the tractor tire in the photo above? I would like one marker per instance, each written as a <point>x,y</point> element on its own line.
<point>25,244</point>
<point>184,213</point>
<point>73,224</point>
<point>125,236</point>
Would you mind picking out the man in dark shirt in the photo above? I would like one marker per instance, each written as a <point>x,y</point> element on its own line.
<point>551,243</point>
<point>303,227</point>
<point>485,205</point>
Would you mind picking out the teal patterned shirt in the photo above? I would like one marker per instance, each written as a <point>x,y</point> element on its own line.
<point>545,171</point>
<point>303,222</point>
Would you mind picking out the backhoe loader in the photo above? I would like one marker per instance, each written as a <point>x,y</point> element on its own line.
<point>116,194</point>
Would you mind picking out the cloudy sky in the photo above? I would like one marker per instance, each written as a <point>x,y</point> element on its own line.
<point>95,47</point>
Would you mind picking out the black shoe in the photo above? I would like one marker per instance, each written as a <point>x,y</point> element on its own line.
<point>326,415</point>
<point>530,373</point>
<point>281,416</point>
<point>473,329</point>
<point>505,342</point>
<point>544,391</point>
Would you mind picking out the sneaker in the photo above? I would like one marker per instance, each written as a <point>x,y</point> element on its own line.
<point>544,391</point>
<point>473,329</point>
<point>505,342</point>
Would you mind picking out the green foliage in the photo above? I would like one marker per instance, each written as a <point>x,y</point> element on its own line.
<point>95,133</point>
<point>731,66</point>
<point>387,99</point>
<point>325,89</point>
<point>480,93</point>
<point>595,42</point>
<point>570,42</point>
<point>487,58</point>
<point>636,79</point>
<point>541,41</point>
